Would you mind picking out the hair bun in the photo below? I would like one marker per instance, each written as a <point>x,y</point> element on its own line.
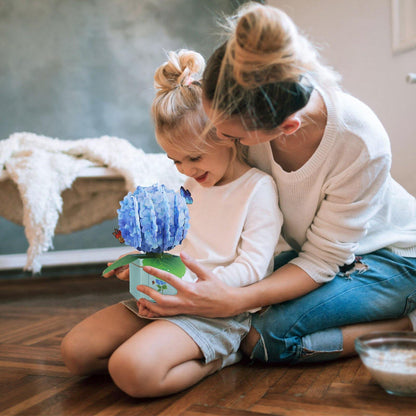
<point>181,69</point>
<point>262,46</point>
<point>263,29</point>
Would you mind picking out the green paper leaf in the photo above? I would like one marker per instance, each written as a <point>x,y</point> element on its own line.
<point>123,261</point>
<point>167,262</point>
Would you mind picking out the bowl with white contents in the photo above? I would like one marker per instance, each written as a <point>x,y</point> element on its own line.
<point>391,359</point>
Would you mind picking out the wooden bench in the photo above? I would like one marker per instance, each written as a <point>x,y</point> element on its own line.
<point>103,186</point>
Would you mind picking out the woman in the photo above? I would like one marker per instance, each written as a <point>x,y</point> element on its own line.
<point>351,228</point>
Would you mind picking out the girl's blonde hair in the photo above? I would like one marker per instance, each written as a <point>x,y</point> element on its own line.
<point>177,109</point>
<point>266,70</point>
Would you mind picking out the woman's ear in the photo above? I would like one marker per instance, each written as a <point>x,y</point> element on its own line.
<point>291,124</point>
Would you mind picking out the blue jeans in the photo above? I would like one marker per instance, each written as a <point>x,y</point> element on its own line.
<point>308,328</point>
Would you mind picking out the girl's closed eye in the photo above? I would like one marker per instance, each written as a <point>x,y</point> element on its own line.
<point>191,159</point>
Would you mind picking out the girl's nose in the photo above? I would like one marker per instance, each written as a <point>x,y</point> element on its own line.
<point>186,169</point>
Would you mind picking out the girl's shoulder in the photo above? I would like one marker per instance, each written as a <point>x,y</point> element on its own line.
<point>258,182</point>
<point>257,176</point>
<point>252,182</point>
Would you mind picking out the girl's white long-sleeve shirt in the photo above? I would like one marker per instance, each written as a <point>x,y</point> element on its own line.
<point>343,202</point>
<point>234,228</point>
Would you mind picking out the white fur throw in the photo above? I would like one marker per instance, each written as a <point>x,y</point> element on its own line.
<point>43,167</point>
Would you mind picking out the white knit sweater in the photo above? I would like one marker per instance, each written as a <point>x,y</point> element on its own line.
<point>343,201</point>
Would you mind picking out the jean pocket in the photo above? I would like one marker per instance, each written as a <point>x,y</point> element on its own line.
<point>410,303</point>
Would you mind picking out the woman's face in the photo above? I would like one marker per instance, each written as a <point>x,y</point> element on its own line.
<point>234,129</point>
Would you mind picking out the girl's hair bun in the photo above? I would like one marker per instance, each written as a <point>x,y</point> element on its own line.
<point>177,110</point>
<point>182,68</point>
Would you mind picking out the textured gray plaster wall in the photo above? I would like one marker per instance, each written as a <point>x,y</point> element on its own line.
<point>74,69</point>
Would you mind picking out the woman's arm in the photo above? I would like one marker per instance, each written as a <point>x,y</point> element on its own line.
<point>211,298</point>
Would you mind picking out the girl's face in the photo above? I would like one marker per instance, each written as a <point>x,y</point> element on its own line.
<point>210,167</point>
<point>233,129</point>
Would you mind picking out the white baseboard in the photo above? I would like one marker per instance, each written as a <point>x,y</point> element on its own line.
<point>66,257</point>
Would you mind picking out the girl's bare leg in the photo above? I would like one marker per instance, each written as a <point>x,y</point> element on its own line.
<point>87,348</point>
<point>349,333</point>
<point>158,360</point>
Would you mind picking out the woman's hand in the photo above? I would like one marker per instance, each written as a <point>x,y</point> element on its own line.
<point>207,297</point>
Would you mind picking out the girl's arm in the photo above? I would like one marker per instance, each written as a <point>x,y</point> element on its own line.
<point>212,298</point>
<point>258,238</point>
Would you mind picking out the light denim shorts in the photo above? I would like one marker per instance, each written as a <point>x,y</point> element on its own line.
<point>216,337</point>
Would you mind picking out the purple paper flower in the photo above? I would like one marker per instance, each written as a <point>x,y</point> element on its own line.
<point>153,219</point>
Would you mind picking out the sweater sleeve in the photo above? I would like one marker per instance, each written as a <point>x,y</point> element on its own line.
<point>352,199</point>
<point>258,240</point>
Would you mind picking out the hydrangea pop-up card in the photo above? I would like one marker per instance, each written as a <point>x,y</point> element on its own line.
<point>153,220</point>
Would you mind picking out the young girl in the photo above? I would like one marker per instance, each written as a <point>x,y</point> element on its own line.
<point>234,228</point>
<point>351,228</point>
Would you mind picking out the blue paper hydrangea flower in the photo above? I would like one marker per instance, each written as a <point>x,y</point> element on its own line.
<point>153,219</point>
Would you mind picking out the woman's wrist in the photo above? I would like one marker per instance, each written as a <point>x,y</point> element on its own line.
<point>235,303</point>
<point>241,299</point>
<point>286,283</point>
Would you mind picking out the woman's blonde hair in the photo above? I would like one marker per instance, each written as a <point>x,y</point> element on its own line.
<point>266,70</point>
<point>177,109</point>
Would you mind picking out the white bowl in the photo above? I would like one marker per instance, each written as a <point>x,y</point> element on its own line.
<point>391,359</point>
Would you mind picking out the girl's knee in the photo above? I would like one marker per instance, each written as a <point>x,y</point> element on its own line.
<point>76,355</point>
<point>136,377</point>
<point>71,355</point>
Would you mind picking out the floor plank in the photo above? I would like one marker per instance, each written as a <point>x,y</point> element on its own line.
<point>35,314</point>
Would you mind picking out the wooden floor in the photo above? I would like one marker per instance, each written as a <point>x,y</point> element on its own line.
<point>36,313</point>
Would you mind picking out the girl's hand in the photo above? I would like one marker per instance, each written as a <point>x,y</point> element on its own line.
<point>146,313</point>
<point>208,296</point>
<point>121,273</point>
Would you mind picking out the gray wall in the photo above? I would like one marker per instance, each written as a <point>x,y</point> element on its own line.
<point>74,69</point>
